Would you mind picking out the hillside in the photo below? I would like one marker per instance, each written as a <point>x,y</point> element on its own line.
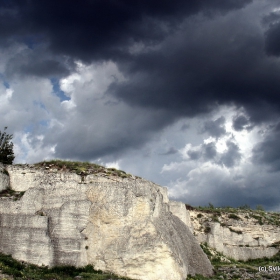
<point>71,213</point>
<point>240,242</point>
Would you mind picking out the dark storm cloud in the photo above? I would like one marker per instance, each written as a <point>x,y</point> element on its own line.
<point>39,63</point>
<point>99,29</point>
<point>208,63</point>
<point>240,122</point>
<point>226,194</point>
<point>44,68</point>
<point>268,151</point>
<point>104,131</point>
<point>272,42</point>
<point>205,152</point>
<point>199,63</point>
<point>232,155</point>
<point>215,128</point>
<point>208,152</point>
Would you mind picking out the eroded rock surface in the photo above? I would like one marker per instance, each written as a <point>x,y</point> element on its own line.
<point>4,178</point>
<point>118,225</point>
<point>241,237</point>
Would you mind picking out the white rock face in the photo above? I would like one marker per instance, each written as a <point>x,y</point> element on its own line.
<point>4,178</point>
<point>238,239</point>
<point>118,225</point>
<point>179,209</point>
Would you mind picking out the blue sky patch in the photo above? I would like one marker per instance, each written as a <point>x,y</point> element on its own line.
<point>57,90</point>
<point>5,83</point>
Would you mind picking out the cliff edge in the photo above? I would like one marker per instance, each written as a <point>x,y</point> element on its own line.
<point>240,234</point>
<point>123,224</point>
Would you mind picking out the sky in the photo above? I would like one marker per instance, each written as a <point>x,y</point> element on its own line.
<point>183,93</point>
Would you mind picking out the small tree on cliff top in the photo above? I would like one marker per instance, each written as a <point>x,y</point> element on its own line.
<point>6,148</point>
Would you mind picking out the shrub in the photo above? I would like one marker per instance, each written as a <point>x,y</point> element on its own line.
<point>6,148</point>
<point>215,219</point>
<point>244,207</point>
<point>211,206</point>
<point>233,216</point>
<point>259,208</point>
<point>207,229</point>
<point>258,218</point>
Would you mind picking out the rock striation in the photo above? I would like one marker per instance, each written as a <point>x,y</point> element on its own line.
<point>241,236</point>
<point>122,225</point>
<point>4,178</point>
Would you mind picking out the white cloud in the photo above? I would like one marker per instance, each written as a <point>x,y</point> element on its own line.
<point>32,150</point>
<point>113,164</point>
<point>5,98</point>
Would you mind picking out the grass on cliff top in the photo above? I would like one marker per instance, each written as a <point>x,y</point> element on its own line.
<point>19,270</point>
<point>80,168</point>
<point>261,216</point>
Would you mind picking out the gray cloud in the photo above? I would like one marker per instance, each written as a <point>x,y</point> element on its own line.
<point>232,156</point>
<point>194,154</point>
<point>215,128</point>
<point>209,151</point>
<point>98,29</point>
<point>222,187</point>
<point>39,62</point>
<point>272,41</point>
<point>240,122</point>
<point>146,66</point>
<point>204,71</point>
<point>267,152</point>
<point>171,151</point>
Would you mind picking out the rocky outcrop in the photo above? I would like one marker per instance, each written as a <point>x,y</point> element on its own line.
<point>118,225</point>
<point>4,178</point>
<point>239,236</point>
<point>179,209</point>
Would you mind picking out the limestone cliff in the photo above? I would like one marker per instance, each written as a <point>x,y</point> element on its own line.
<point>122,225</point>
<point>4,178</point>
<point>241,235</point>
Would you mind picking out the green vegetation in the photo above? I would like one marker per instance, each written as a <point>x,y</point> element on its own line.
<point>262,217</point>
<point>6,148</point>
<point>21,270</point>
<point>259,208</point>
<point>197,277</point>
<point>258,218</point>
<point>233,216</point>
<point>11,194</point>
<point>224,266</point>
<point>215,218</point>
<point>80,168</point>
<point>207,229</point>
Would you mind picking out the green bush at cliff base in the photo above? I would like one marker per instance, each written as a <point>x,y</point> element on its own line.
<point>20,270</point>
